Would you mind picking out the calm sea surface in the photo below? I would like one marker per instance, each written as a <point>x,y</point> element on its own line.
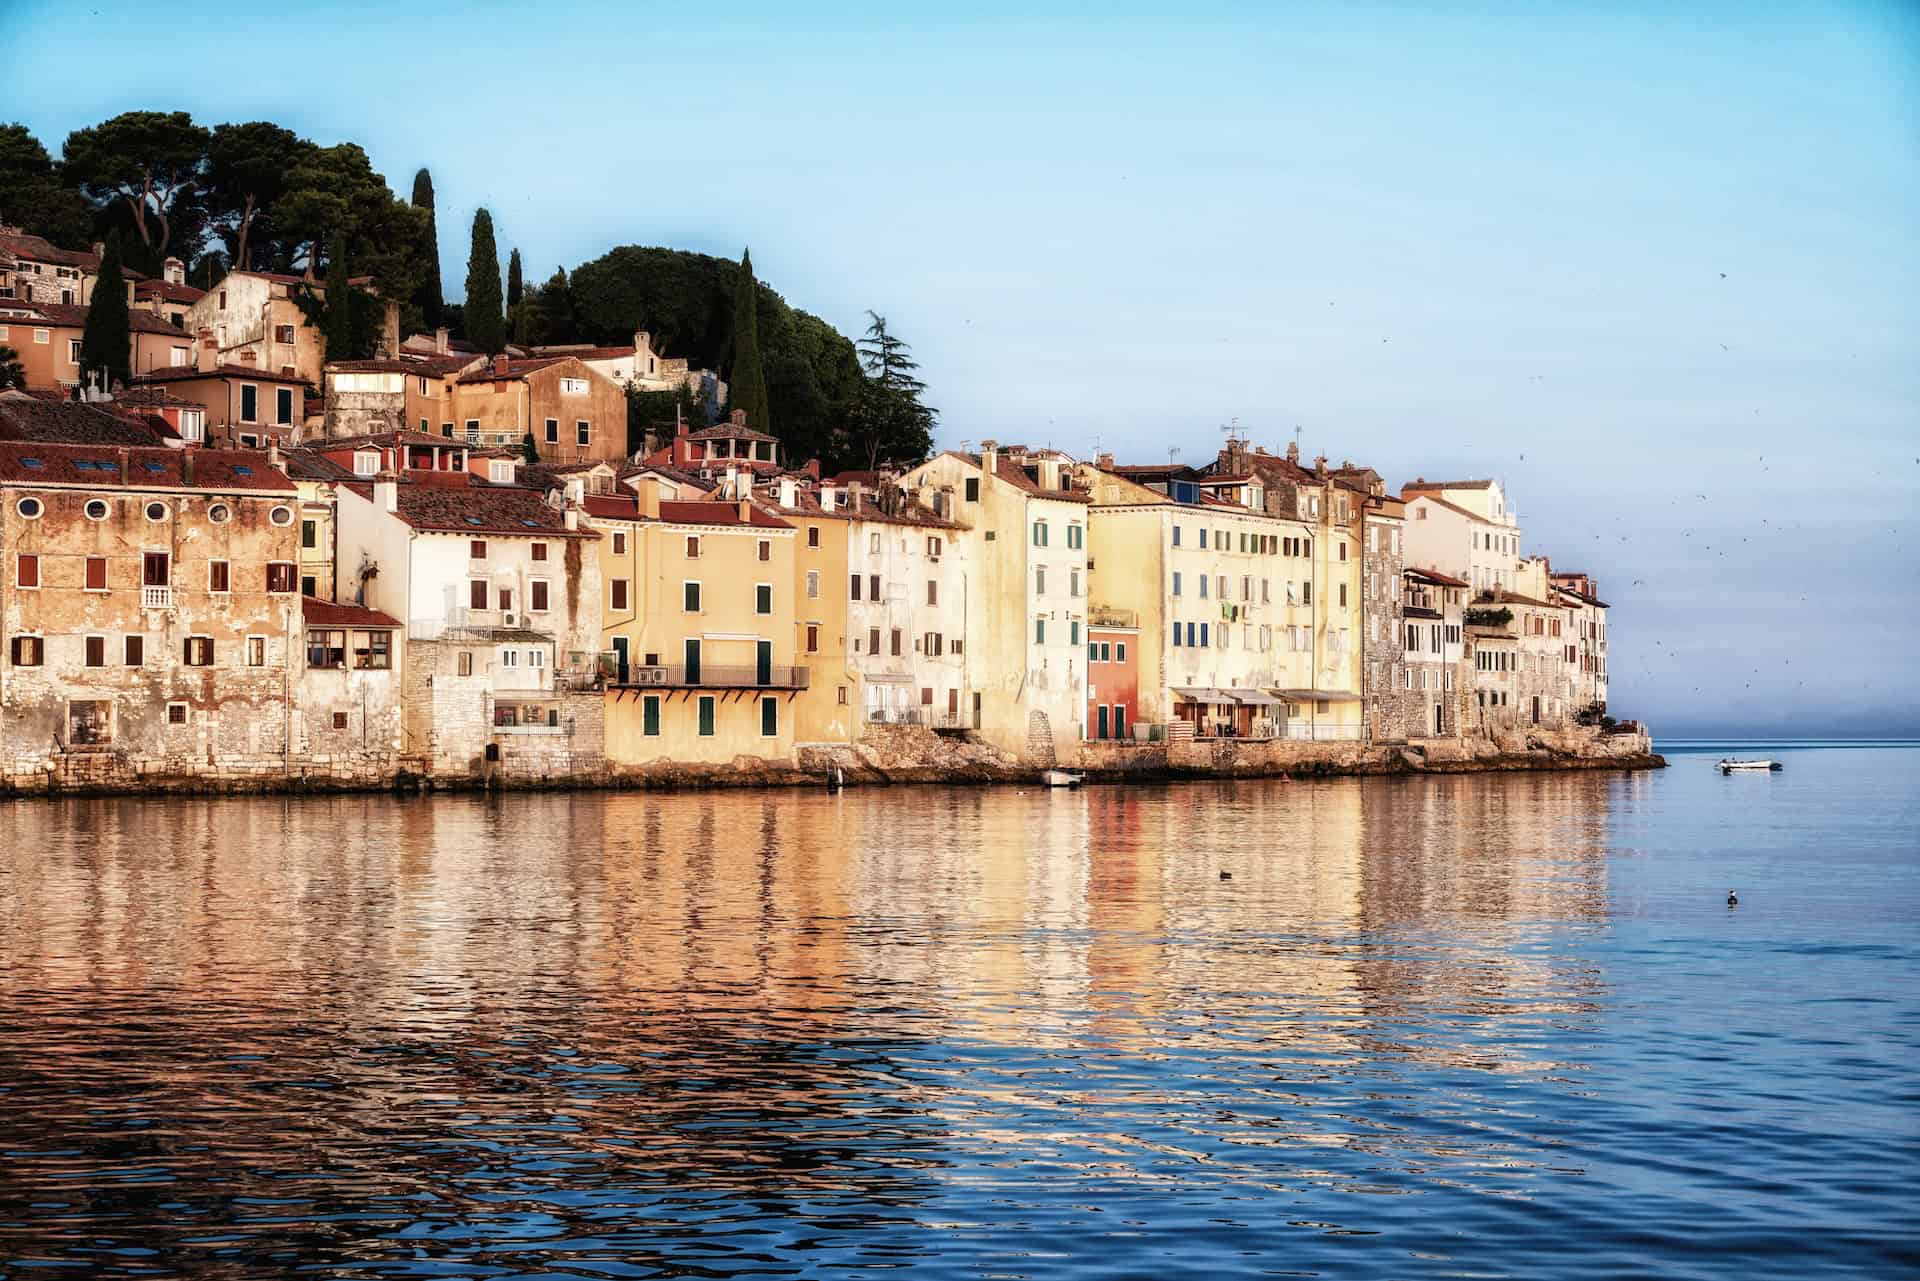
<point>1476,1027</point>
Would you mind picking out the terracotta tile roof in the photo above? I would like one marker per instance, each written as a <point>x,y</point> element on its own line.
<point>151,421</point>
<point>28,418</point>
<point>515,371</point>
<point>1154,471</point>
<point>38,249</point>
<point>1438,501</point>
<point>422,344</point>
<point>730,431</point>
<point>68,316</point>
<point>412,366</point>
<point>480,509</point>
<point>1435,577</point>
<point>586,353</point>
<point>1515,598</point>
<point>149,467</point>
<point>304,464</point>
<point>327,613</point>
<point>153,398</point>
<point>1428,486</point>
<point>701,512</point>
<point>249,373</point>
<point>679,475</point>
<point>167,291</point>
<point>908,512</point>
<point>399,436</point>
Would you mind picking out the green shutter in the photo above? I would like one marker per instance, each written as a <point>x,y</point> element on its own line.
<point>706,716</point>
<point>769,717</point>
<point>650,716</point>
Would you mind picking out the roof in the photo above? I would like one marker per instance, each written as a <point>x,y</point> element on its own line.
<point>731,431</point>
<point>423,343</point>
<point>152,398</point>
<point>1582,597</point>
<point>1155,471</point>
<point>70,316</point>
<point>327,613</point>
<point>167,291</point>
<point>514,372</point>
<point>483,509</point>
<point>150,467</point>
<point>28,418</point>
<point>1435,577</point>
<point>1438,501</point>
<point>1515,598</point>
<point>304,464</point>
<point>586,353</point>
<point>909,511</point>
<point>678,475</point>
<point>697,512</point>
<point>282,278</point>
<point>39,249</point>
<point>374,440</point>
<point>413,366</point>
<point>187,374</point>
<point>1427,486</point>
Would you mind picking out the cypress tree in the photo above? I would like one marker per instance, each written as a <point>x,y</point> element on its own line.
<point>486,326</point>
<point>516,289</point>
<point>427,297</point>
<point>339,319</point>
<point>106,343</point>
<point>746,384</point>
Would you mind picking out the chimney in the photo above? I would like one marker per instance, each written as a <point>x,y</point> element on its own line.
<point>789,493</point>
<point>173,271</point>
<point>745,506</point>
<point>500,364</point>
<point>124,468</point>
<point>649,494</point>
<point>642,346</point>
<point>829,495</point>
<point>1293,452</point>
<point>274,460</point>
<point>208,354</point>
<point>186,467</point>
<point>812,468</point>
<point>386,492</point>
<point>440,341</point>
<point>853,496</point>
<point>249,357</point>
<point>1104,461</point>
<point>1320,465</point>
<point>989,456</point>
<point>99,248</point>
<point>572,516</point>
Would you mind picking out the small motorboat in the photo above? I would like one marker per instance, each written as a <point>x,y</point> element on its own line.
<point>1732,766</point>
<point>1062,778</point>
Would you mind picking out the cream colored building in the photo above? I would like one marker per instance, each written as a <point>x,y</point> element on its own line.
<point>1464,529</point>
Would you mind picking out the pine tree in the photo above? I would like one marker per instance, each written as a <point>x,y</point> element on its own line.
<point>486,326</point>
<point>746,383</point>
<point>338,326</point>
<point>530,451</point>
<point>106,343</point>
<point>428,297</point>
<point>515,289</point>
<point>556,323</point>
<point>891,425</point>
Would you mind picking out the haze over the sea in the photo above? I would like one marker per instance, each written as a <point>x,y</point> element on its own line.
<point>1652,267</point>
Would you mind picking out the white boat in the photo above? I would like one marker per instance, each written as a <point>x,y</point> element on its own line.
<point>1061,778</point>
<point>1732,766</point>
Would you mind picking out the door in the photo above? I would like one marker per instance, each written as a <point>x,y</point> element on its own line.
<point>763,662</point>
<point>620,658</point>
<point>693,661</point>
<point>1439,719</point>
<point>1102,709</point>
<point>976,709</point>
<point>953,707</point>
<point>1536,709</point>
<point>1120,720</point>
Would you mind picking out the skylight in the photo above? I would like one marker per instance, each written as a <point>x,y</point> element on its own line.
<point>241,469</point>
<point>32,462</point>
<point>473,520</point>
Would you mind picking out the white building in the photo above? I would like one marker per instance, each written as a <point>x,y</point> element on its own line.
<point>1463,529</point>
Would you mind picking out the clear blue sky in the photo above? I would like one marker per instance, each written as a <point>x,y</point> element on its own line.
<point>1619,256</point>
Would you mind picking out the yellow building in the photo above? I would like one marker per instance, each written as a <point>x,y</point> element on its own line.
<point>699,619</point>
<point>827,710</point>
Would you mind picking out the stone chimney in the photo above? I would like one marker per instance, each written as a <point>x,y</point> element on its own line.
<point>500,363</point>
<point>642,347</point>
<point>571,516</point>
<point>207,353</point>
<point>1104,461</point>
<point>1293,452</point>
<point>1320,465</point>
<point>989,456</point>
<point>274,460</point>
<point>125,468</point>
<point>249,357</point>
<point>173,271</point>
<point>829,495</point>
<point>440,341</point>
<point>186,467</point>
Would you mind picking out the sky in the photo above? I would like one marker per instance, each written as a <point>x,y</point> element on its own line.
<point>1653,267</point>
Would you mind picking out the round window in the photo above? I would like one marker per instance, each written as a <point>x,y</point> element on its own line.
<point>281,516</point>
<point>156,511</point>
<point>219,513</point>
<point>96,509</point>
<point>29,507</point>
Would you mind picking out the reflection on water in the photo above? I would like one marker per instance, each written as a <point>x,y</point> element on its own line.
<point>968,1032</point>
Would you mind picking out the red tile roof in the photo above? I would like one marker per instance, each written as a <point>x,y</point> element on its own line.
<point>68,316</point>
<point>98,467</point>
<point>413,366</point>
<point>38,249</point>
<point>29,418</point>
<point>673,512</point>
<point>515,371</point>
<point>1434,576</point>
<point>249,373</point>
<point>1427,486</point>
<point>167,291</point>
<point>1438,501</point>
<point>327,613</point>
<point>480,509</point>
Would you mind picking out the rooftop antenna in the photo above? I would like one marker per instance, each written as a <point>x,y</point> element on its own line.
<point>1173,452</point>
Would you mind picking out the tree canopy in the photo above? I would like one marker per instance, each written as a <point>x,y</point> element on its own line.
<point>106,340</point>
<point>889,424</point>
<point>143,161</point>
<point>427,296</point>
<point>32,194</point>
<point>746,379</point>
<point>486,325</point>
<point>247,170</point>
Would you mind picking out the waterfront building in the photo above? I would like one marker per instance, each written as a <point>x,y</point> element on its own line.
<point>1464,529</point>
<point>1023,517</point>
<point>698,617</point>
<point>1392,714</point>
<point>501,595</point>
<point>1113,675</point>
<point>1433,608</point>
<point>827,711</point>
<point>150,615</point>
<point>350,712</point>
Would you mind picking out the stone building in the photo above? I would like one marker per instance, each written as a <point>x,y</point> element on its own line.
<point>35,270</point>
<point>348,723</point>
<point>364,397</point>
<point>1392,715</point>
<point>254,318</point>
<point>640,368</point>
<point>149,615</point>
<point>1434,675</point>
<point>572,413</point>
<point>170,297</point>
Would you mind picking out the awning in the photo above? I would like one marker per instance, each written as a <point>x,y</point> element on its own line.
<point>1202,695</point>
<point>1254,697</point>
<point>1323,695</point>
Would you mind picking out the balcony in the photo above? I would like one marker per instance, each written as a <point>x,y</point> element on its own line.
<point>152,597</point>
<point>720,676</point>
<point>1105,616</point>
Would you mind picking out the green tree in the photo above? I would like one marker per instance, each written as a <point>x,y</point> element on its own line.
<point>554,322</point>
<point>516,288</point>
<point>32,195</point>
<point>529,450</point>
<point>106,342</point>
<point>145,162</point>
<point>12,372</point>
<point>427,296</point>
<point>889,423</point>
<point>335,190</point>
<point>486,326</point>
<point>247,169</point>
<point>338,315</point>
<point>746,383</point>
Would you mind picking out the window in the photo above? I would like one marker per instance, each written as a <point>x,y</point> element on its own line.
<point>463,666</point>
<point>1073,633</point>
<point>813,584</point>
<point>813,638</point>
<point>506,598</point>
<point>29,508</point>
<point>249,403</point>
<point>1343,595</point>
<point>476,593</point>
<point>539,551</point>
<point>199,651</point>
<point>133,651</point>
<point>933,547</point>
<point>573,386</point>
<point>1205,583</point>
<point>853,587</point>
<point>1203,538</point>
<point>693,547</point>
<point>583,433</point>
<point>476,549</point>
<point>281,516</point>
<point>553,431</point>
<point>1176,535</point>
<point>763,598</point>
<point>96,580</point>
<point>536,658</point>
<point>42,337</point>
<point>813,535</point>
<point>618,594</point>
<point>280,576</point>
<point>339,720</point>
<point>1120,651</point>
<point>28,651</point>
<point>326,648</point>
<point>764,550</point>
<point>27,572</point>
<point>1040,580</point>
<point>283,334</point>
<point>706,716</point>
<point>537,595</point>
<point>1176,582</point>
<point>176,713</point>
<point>366,462</point>
<point>1073,583</point>
<point>217,571</point>
<point>973,489</point>
<point>873,586</point>
<point>1039,533</point>
<point>1076,536</point>
<point>769,718</point>
<point>96,509</point>
<point>1039,631</point>
<point>309,533</point>
<point>873,544</point>
<point>283,406</point>
<point>96,650</point>
<point>690,597</point>
<point>650,716</point>
<point>619,542</point>
<point>840,693</point>
<point>895,643</point>
<point>933,592</point>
